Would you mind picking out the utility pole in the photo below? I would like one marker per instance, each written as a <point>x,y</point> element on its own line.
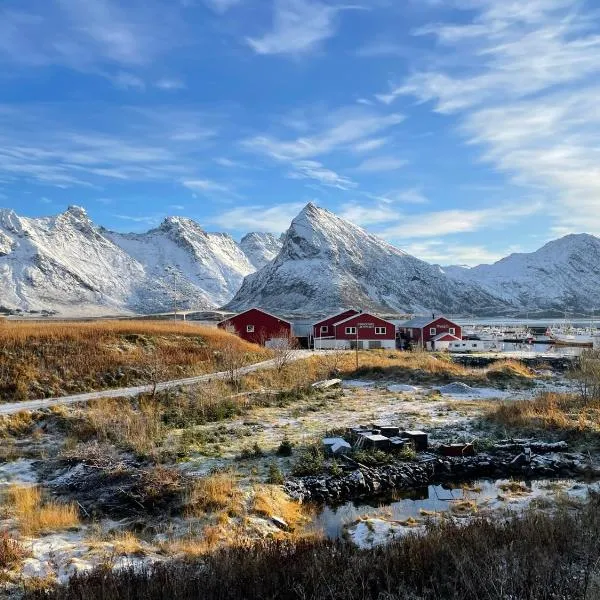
<point>171,271</point>
<point>357,346</point>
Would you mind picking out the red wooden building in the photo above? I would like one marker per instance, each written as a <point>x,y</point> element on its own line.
<point>431,333</point>
<point>360,329</point>
<point>257,326</point>
<point>324,328</point>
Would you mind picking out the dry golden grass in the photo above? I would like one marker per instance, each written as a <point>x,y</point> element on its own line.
<point>126,543</point>
<point>218,492</point>
<point>37,516</point>
<point>549,411</point>
<point>43,359</point>
<point>272,501</point>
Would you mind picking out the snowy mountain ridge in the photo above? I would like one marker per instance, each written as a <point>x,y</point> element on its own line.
<point>68,265</point>
<point>327,263</point>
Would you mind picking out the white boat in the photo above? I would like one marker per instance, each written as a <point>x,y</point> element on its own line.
<point>572,337</point>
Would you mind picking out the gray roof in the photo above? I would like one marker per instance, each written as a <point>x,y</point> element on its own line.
<point>417,322</point>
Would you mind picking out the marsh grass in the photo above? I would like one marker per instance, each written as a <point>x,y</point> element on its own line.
<point>535,556</point>
<point>36,515</point>
<point>568,414</point>
<point>57,358</point>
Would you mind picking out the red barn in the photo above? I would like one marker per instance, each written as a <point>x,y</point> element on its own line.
<point>258,326</point>
<point>432,333</point>
<point>360,329</point>
<point>324,328</point>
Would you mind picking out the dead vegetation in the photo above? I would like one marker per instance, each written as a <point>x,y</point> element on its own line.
<point>12,553</point>
<point>36,515</point>
<point>536,556</point>
<point>569,415</point>
<point>52,359</point>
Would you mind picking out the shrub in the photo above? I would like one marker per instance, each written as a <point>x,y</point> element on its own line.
<point>310,462</point>
<point>275,475</point>
<point>285,448</point>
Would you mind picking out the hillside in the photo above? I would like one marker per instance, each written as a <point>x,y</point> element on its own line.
<point>563,275</point>
<point>327,263</point>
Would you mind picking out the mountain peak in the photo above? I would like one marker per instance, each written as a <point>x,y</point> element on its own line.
<point>76,211</point>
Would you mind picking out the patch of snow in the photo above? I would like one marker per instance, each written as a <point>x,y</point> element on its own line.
<point>357,383</point>
<point>402,387</point>
<point>20,471</point>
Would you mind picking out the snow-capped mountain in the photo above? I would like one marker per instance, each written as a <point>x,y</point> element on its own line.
<point>260,248</point>
<point>562,275</point>
<point>179,259</point>
<point>327,263</point>
<point>66,264</point>
<point>55,263</point>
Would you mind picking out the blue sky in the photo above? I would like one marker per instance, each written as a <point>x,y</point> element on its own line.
<point>459,130</point>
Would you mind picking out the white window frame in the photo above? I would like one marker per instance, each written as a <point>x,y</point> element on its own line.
<point>350,330</point>
<point>452,331</point>
<point>249,328</point>
<point>380,330</point>
<point>432,331</point>
<point>324,328</point>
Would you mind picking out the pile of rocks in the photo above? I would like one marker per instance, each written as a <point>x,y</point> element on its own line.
<point>428,469</point>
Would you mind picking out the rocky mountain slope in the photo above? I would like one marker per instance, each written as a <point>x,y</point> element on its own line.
<point>327,263</point>
<point>563,275</point>
<point>66,264</point>
<point>261,248</point>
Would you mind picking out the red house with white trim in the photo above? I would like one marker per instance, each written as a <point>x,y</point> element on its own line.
<point>431,333</point>
<point>324,328</point>
<point>365,330</point>
<point>257,326</point>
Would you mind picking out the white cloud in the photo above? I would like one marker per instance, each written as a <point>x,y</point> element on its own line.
<point>379,164</point>
<point>337,131</point>
<point>299,26</point>
<point>42,144</point>
<point>170,84</point>
<point>273,219</point>
<point>369,145</point>
<point>449,253</point>
<point>368,215</point>
<point>523,79</point>
<point>87,34</point>
<point>205,186</point>
<point>447,222</point>
<point>311,169</point>
<point>126,80</point>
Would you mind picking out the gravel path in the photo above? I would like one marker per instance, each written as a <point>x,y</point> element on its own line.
<point>15,407</point>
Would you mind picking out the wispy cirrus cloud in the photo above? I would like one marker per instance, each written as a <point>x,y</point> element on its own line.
<point>345,130</point>
<point>442,252</point>
<point>39,145</point>
<point>274,219</point>
<point>523,81</point>
<point>455,221</point>
<point>311,169</point>
<point>222,6</point>
<point>299,26</point>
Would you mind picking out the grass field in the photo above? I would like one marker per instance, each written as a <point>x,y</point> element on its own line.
<point>52,359</point>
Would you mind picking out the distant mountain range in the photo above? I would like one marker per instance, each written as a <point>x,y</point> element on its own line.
<point>68,265</point>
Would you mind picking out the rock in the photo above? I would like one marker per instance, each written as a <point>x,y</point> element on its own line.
<point>281,523</point>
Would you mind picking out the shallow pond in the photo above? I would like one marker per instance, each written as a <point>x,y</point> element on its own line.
<point>478,497</point>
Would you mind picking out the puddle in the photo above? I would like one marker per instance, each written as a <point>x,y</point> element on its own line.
<point>479,497</point>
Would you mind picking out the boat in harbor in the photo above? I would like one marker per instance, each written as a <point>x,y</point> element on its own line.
<point>572,336</point>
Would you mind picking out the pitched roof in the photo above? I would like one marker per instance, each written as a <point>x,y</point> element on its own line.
<point>362,314</point>
<point>250,309</point>
<point>443,335</point>
<point>418,322</point>
<point>337,314</point>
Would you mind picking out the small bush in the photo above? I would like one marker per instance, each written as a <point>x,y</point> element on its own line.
<point>285,448</point>
<point>275,476</point>
<point>310,462</point>
<point>11,552</point>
